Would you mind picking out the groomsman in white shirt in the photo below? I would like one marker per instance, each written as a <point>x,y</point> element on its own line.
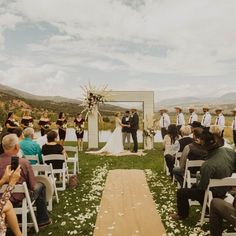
<point>234,126</point>
<point>220,119</point>
<point>179,117</point>
<point>206,119</point>
<point>193,116</point>
<point>164,121</point>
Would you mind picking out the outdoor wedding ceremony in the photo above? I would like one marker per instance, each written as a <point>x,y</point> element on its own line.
<point>117,118</point>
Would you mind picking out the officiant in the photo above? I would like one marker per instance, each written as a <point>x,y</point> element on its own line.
<point>126,129</point>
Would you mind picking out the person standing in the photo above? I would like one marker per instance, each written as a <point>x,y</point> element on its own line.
<point>11,123</point>
<point>206,119</point>
<point>179,118</point>
<point>193,116</point>
<point>134,126</point>
<point>220,120</point>
<point>44,123</point>
<point>62,125</point>
<point>126,129</point>
<point>234,126</point>
<point>79,130</point>
<point>27,120</point>
<point>164,122</point>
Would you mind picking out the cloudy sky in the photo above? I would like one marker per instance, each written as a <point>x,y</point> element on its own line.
<point>176,48</point>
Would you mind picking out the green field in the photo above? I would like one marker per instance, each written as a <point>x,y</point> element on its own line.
<point>76,212</point>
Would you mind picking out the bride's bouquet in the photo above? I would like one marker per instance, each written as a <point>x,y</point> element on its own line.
<point>30,125</point>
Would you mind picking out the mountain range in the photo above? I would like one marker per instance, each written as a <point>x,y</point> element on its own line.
<point>227,101</point>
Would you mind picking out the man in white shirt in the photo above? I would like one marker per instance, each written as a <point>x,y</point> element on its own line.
<point>193,116</point>
<point>220,119</point>
<point>234,126</point>
<point>164,121</point>
<point>179,117</point>
<point>206,119</point>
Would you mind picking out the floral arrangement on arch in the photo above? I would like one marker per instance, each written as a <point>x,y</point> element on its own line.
<point>150,132</point>
<point>92,98</point>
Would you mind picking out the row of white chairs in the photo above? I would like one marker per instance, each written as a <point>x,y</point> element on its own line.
<point>48,171</point>
<point>189,180</point>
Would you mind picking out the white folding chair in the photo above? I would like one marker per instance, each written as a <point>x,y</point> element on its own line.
<point>74,159</point>
<point>187,175</point>
<point>47,170</point>
<point>228,181</point>
<point>32,158</point>
<point>25,208</point>
<point>177,157</point>
<point>62,172</point>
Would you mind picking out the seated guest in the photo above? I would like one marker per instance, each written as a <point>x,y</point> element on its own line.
<point>44,123</point>
<point>6,209</point>
<point>193,151</point>
<point>10,146</point>
<point>185,132</point>
<point>183,140</point>
<point>11,123</point>
<point>52,147</point>
<point>219,164</point>
<point>171,146</point>
<point>27,120</point>
<point>30,147</point>
<point>217,132</point>
<point>221,210</point>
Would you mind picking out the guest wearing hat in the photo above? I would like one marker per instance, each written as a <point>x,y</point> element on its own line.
<point>164,122</point>
<point>193,116</point>
<point>220,120</point>
<point>206,119</point>
<point>179,118</point>
<point>234,126</point>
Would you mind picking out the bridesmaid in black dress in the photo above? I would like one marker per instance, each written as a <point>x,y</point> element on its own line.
<point>79,130</point>
<point>62,125</point>
<point>27,120</point>
<point>44,123</point>
<point>11,123</point>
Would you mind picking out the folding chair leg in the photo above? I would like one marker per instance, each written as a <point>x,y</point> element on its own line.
<point>24,220</point>
<point>204,208</point>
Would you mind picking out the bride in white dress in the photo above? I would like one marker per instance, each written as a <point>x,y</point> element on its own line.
<point>114,145</point>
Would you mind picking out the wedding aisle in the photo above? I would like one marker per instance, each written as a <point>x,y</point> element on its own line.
<point>127,207</point>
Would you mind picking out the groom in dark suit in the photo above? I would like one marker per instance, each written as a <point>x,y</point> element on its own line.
<point>134,125</point>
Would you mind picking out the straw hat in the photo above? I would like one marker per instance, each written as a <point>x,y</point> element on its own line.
<point>206,107</point>
<point>48,185</point>
<point>234,110</point>
<point>163,109</point>
<point>191,108</point>
<point>178,107</point>
<point>218,109</point>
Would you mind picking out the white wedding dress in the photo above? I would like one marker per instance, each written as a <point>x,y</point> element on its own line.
<point>114,145</point>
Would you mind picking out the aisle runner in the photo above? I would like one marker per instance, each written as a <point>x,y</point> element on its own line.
<point>127,207</point>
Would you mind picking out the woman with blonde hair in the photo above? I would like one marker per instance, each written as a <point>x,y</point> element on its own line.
<point>27,120</point>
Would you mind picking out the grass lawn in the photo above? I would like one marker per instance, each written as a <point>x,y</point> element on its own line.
<point>76,212</point>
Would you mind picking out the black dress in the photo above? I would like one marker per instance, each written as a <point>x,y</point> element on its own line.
<point>61,130</point>
<point>44,125</point>
<point>27,122</point>
<point>11,123</point>
<point>79,129</point>
<point>53,149</point>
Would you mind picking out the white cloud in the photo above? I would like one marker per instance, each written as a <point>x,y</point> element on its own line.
<point>174,38</point>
